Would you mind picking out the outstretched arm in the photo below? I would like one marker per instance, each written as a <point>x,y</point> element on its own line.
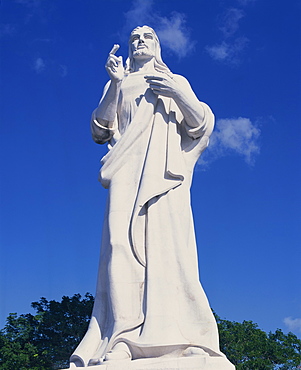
<point>104,115</point>
<point>179,89</point>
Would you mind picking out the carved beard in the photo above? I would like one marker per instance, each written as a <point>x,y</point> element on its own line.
<point>142,53</point>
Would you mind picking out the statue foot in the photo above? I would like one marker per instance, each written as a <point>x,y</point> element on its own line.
<point>119,352</point>
<point>95,361</point>
<point>194,351</point>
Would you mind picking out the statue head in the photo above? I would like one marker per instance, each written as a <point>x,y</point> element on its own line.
<point>152,50</point>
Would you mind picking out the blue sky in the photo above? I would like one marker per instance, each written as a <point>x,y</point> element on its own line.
<point>242,57</point>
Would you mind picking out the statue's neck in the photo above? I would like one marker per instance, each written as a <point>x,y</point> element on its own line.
<point>144,65</point>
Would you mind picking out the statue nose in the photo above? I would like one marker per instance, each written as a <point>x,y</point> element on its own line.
<point>141,40</point>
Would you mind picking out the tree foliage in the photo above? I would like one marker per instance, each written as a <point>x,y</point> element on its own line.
<point>44,341</point>
<point>250,348</point>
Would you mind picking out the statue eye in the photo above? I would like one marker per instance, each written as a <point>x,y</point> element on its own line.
<point>148,36</point>
<point>135,37</point>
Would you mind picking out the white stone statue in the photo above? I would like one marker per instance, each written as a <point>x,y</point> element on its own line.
<point>149,303</point>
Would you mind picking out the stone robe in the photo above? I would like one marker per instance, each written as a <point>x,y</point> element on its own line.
<point>148,290</point>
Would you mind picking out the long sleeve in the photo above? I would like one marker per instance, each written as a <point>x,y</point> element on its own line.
<point>100,133</point>
<point>205,127</point>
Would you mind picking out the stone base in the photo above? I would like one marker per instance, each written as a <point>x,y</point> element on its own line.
<point>180,363</point>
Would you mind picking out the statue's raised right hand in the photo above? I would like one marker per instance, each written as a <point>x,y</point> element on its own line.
<point>114,65</point>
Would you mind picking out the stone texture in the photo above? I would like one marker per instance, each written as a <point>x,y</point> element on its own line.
<point>195,363</point>
<point>149,303</point>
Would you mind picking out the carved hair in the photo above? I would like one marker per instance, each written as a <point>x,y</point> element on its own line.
<point>159,65</point>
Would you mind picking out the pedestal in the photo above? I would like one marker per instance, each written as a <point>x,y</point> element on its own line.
<point>180,363</point>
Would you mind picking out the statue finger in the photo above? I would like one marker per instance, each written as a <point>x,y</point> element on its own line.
<point>154,78</point>
<point>114,49</point>
<point>155,84</point>
<point>113,58</point>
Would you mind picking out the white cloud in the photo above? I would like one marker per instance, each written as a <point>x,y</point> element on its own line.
<point>139,13</point>
<point>219,52</point>
<point>52,66</point>
<point>292,324</point>
<point>237,136</point>
<point>172,31</point>
<point>39,65</point>
<point>174,35</point>
<point>232,44</point>
<point>228,52</point>
<point>246,2</point>
<point>230,21</point>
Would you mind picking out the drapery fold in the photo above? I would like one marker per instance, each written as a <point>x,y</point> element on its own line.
<point>148,293</point>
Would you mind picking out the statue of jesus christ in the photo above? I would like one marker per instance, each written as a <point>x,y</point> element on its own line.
<point>149,302</point>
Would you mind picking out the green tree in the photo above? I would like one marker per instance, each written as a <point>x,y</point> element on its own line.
<point>45,341</point>
<point>17,347</point>
<point>250,348</point>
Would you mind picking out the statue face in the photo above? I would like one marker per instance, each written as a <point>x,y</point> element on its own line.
<point>142,43</point>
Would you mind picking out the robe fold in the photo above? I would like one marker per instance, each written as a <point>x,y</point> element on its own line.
<point>148,290</point>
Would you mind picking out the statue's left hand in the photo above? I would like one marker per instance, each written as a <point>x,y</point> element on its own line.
<point>164,85</point>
